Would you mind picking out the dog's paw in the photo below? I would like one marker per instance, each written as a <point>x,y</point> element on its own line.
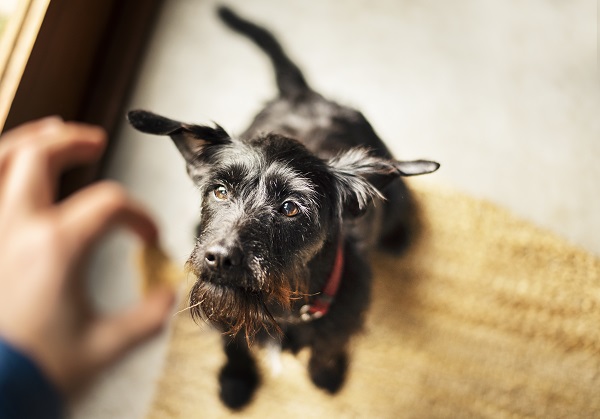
<point>237,386</point>
<point>328,375</point>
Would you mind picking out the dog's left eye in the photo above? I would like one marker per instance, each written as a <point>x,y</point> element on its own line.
<point>290,209</point>
<point>220,192</point>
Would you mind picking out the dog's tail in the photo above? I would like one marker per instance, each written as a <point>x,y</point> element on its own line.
<point>290,80</point>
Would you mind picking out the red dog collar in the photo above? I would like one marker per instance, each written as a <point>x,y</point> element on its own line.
<point>323,301</point>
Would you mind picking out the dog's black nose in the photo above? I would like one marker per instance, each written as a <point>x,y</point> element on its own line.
<point>220,257</point>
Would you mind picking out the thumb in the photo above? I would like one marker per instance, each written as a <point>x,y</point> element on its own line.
<point>112,337</point>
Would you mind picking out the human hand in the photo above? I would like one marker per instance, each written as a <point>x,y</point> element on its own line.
<point>44,310</point>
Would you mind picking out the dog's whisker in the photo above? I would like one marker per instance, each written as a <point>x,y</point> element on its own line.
<point>188,308</point>
<point>301,295</point>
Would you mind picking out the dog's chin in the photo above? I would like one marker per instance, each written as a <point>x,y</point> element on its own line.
<point>232,310</point>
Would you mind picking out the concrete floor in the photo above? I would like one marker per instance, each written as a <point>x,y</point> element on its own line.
<point>504,94</point>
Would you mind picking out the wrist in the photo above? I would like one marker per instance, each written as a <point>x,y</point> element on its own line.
<point>25,390</point>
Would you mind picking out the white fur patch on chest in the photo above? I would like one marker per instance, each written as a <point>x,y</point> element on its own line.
<point>273,358</point>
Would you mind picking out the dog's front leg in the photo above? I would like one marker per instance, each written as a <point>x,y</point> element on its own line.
<point>239,376</point>
<point>328,364</point>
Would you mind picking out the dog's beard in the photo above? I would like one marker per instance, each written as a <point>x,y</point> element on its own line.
<point>233,310</point>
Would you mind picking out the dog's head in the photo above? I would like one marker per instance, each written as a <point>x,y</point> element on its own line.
<point>268,206</point>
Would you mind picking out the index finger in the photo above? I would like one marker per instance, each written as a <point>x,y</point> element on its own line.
<point>54,136</point>
<point>92,212</point>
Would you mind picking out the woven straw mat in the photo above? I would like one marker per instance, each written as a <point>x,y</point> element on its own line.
<point>484,316</point>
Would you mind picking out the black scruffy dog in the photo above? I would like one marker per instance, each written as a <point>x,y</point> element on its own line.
<point>287,219</point>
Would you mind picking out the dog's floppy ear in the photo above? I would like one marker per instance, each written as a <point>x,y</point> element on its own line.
<point>361,176</point>
<point>191,140</point>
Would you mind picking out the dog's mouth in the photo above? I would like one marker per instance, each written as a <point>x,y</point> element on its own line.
<point>237,282</point>
<point>247,302</point>
<point>233,309</point>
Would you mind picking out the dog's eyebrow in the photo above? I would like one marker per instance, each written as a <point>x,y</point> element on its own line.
<point>238,169</point>
<point>288,181</point>
<point>235,172</point>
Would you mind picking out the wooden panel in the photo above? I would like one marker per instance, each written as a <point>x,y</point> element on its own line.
<point>59,66</point>
<point>116,65</point>
<point>82,64</point>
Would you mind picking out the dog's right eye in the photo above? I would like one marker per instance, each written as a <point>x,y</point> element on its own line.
<point>220,192</point>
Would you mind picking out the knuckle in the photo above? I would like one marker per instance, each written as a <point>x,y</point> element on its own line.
<point>49,234</point>
<point>28,150</point>
<point>48,126</point>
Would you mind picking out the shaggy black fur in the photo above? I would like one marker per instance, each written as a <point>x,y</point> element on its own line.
<point>275,205</point>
